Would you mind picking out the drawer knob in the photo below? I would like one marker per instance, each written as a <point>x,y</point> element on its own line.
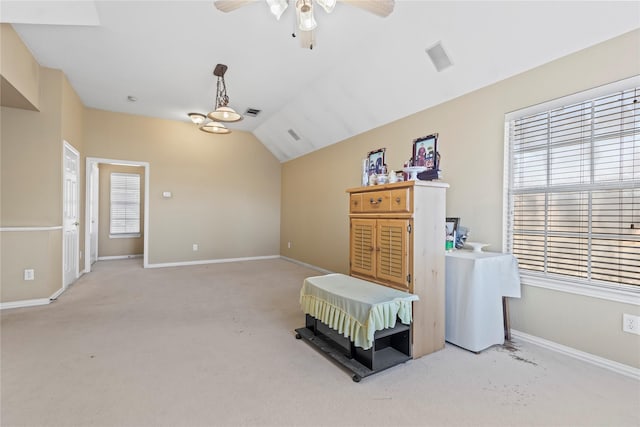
<point>375,202</point>
<point>397,199</point>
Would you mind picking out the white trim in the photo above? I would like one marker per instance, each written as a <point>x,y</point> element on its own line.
<point>209,261</point>
<point>125,236</point>
<point>617,367</point>
<point>24,303</point>
<point>610,294</point>
<point>57,293</point>
<point>87,237</point>
<point>304,264</point>
<point>109,258</point>
<point>55,227</point>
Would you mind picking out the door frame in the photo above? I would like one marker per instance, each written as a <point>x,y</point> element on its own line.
<point>90,161</point>
<point>94,180</point>
<point>67,146</point>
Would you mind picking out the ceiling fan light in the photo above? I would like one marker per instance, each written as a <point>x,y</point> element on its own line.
<point>277,7</point>
<point>327,5</point>
<point>215,127</point>
<point>306,21</point>
<point>225,114</point>
<point>197,118</point>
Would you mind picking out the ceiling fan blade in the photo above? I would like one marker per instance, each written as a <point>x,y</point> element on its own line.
<point>231,5</point>
<point>379,7</point>
<point>307,39</point>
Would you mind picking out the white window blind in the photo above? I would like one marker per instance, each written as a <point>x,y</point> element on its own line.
<point>574,190</point>
<point>125,203</point>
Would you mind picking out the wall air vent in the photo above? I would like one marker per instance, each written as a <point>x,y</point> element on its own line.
<point>439,57</point>
<point>252,112</point>
<point>293,134</point>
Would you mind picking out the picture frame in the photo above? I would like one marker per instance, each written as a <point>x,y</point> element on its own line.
<point>376,161</point>
<point>425,152</point>
<point>451,225</point>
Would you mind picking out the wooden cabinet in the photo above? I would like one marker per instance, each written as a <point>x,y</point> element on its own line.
<point>397,239</point>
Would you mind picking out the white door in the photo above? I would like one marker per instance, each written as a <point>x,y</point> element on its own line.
<point>93,213</point>
<point>70,215</point>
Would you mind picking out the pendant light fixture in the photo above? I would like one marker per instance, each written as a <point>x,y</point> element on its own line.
<point>223,113</point>
<point>212,122</point>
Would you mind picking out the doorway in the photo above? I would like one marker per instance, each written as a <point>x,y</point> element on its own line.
<point>92,207</point>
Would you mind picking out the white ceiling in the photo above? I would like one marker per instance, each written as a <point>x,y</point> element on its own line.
<point>364,71</point>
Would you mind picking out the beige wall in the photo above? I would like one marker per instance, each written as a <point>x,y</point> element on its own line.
<point>226,188</point>
<point>471,129</point>
<point>117,246</point>
<point>19,71</point>
<point>31,141</point>
<point>31,182</point>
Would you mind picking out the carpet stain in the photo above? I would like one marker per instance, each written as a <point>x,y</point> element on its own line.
<point>512,348</point>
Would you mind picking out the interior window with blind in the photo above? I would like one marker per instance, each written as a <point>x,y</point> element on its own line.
<point>574,191</point>
<point>125,205</point>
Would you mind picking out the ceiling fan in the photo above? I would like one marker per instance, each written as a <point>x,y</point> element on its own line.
<point>305,21</point>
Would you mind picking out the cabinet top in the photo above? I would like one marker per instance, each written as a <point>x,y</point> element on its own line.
<point>403,184</point>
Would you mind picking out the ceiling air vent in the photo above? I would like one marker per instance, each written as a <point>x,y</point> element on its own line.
<point>439,57</point>
<point>293,134</point>
<point>252,112</point>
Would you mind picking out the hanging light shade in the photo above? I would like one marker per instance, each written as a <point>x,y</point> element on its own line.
<point>304,12</point>
<point>215,127</point>
<point>197,118</point>
<point>225,114</point>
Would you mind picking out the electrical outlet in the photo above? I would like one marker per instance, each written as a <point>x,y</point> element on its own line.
<point>29,274</point>
<point>195,247</point>
<point>289,245</point>
<point>631,323</point>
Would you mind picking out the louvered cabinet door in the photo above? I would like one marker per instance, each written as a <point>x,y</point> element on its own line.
<point>392,247</point>
<point>362,249</point>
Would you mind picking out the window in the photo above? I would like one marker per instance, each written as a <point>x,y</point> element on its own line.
<point>573,189</point>
<point>125,205</point>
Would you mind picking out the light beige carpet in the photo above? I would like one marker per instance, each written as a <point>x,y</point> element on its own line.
<point>214,345</point>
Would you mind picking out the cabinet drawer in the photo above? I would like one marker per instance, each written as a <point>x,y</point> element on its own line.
<point>355,204</point>
<point>385,201</point>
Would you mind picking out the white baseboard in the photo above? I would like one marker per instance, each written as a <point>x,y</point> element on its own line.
<point>304,264</point>
<point>57,293</point>
<point>209,261</point>
<point>24,303</point>
<point>108,258</point>
<point>620,368</point>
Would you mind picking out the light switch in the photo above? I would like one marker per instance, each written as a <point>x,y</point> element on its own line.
<point>166,194</point>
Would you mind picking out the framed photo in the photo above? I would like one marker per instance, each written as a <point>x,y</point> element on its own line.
<point>452,226</point>
<point>425,152</point>
<point>376,161</point>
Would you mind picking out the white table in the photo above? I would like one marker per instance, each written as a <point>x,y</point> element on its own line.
<point>475,284</point>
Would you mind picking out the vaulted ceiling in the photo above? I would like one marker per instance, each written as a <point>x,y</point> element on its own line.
<point>364,71</point>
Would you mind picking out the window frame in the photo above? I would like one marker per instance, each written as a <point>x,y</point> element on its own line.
<point>629,294</point>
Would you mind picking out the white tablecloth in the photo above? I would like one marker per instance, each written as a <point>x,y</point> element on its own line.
<point>475,283</point>
<point>354,307</point>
